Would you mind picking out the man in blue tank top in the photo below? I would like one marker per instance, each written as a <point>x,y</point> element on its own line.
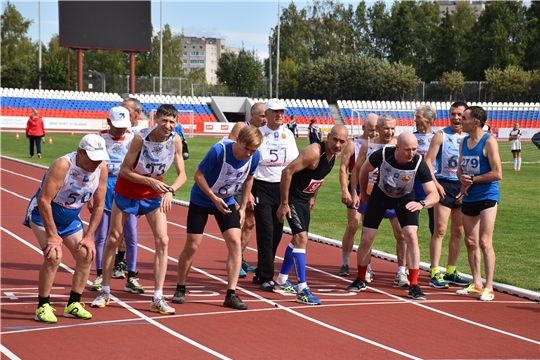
<point>479,173</point>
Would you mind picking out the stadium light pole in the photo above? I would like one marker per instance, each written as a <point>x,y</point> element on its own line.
<point>160,47</point>
<point>270,65</point>
<point>277,55</point>
<point>39,43</point>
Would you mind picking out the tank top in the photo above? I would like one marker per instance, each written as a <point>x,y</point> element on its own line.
<point>394,182</point>
<point>230,180</point>
<point>373,175</point>
<point>357,145</point>
<point>448,156</point>
<point>474,162</point>
<point>306,182</point>
<point>117,149</point>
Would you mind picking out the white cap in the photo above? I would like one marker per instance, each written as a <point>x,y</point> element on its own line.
<point>274,104</point>
<point>94,145</point>
<point>119,117</point>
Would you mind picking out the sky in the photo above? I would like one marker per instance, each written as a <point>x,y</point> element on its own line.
<point>246,23</point>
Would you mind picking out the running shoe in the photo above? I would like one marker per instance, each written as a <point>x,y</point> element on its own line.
<point>118,273</point>
<point>102,300</point>
<point>159,305</point>
<point>247,267</point>
<point>96,286</point>
<point>133,286</point>
<point>455,278</point>
<point>471,290</point>
<point>287,287</point>
<point>344,270</point>
<point>369,275</point>
<point>416,294</point>
<point>487,295</point>
<point>269,286</point>
<point>179,296</point>
<point>357,286</point>
<point>306,297</point>
<point>256,280</point>
<point>77,310</point>
<point>242,274</point>
<point>122,266</point>
<point>45,314</point>
<point>235,302</point>
<point>401,279</point>
<point>438,282</point>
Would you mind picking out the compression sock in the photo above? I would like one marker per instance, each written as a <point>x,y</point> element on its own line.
<point>413,276</point>
<point>362,272</point>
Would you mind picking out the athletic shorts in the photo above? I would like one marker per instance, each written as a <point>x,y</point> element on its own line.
<point>476,207</point>
<point>452,189</point>
<point>63,229</point>
<point>516,151</point>
<point>300,217</point>
<point>389,214</point>
<point>379,203</point>
<point>198,217</point>
<point>136,207</point>
<point>111,182</point>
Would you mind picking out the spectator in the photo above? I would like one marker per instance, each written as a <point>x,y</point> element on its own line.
<point>35,130</point>
<point>179,129</point>
<point>314,134</point>
<point>292,126</point>
<point>536,140</point>
<point>515,146</point>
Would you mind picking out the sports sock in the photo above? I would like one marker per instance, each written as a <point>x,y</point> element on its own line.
<point>99,272</point>
<point>107,289</point>
<point>302,286</point>
<point>157,294</point>
<point>402,269</point>
<point>131,274</point>
<point>450,269</point>
<point>180,287</point>
<point>362,272</point>
<point>369,267</point>
<point>287,260</point>
<point>515,163</point>
<point>230,292</point>
<point>282,278</point>
<point>413,276</point>
<point>299,259</point>
<point>345,256</point>
<point>43,300</point>
<point>74,297</point>
<point>519,163</point>
<point>433,271</point>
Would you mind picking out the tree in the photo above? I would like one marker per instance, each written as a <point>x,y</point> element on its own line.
<point>378,31</point>
<point>295,36</point>
<point>531,58</point>
<point>54,69</point>
<point>288,83</point>
<point>18,52</point>
<point>242,73</point>
<point>512,82</point>
<point>451,82</point>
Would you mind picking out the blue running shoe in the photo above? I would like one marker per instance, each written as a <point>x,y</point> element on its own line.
<point>242,274</point>
<point>307,297</point>
<point>287,287</point>
<point>455,278</point>
<point>438,282</point>
<point>247,267</point>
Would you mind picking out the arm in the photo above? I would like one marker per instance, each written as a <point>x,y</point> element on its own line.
<point>491,151</point>
<point>246,195</point>
<point>355,175</point>
<point>203,184</point>
<point>42,127</point>
<point>364,172</point>
<point>466,180</point>
<point>432,198</point>
<point>166,200</point>
<point>434,147</point>
<point>27,127</point>
<point>343,167</point>
<point>308,157</point>
<point>52,184</point>
<point>98,204</point>
<point>235,130</point>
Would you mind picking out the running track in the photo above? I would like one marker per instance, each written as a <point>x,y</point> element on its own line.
<point>380,322</point>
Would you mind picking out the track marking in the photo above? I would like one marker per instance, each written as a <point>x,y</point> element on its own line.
<point>128,307</point>
<point>404,300</point>
<point>8,353</point>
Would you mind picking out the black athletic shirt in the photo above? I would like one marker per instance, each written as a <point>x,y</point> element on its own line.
<point>306,182</point>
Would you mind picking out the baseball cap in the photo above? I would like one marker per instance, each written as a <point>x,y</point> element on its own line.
<point>274,104</point>
<point>119,117</point>
<point>94,145</point>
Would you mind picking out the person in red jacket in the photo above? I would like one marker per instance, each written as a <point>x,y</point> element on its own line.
<point>35,130</point>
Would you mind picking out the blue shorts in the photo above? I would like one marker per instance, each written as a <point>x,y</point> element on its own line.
<point>350,192</point>
<point>111,182</point>
<point>389,214</point>
<point>63,229</point>
<point>137,207</point>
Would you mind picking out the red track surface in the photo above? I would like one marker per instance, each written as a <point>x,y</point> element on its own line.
<point>380,322</point>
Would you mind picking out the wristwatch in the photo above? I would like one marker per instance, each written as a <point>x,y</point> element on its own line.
<point>171,190</point>
<point>472,178</point>
<point>423,203</point>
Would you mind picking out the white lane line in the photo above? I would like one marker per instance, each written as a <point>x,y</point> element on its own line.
<point>128,307</point>
<point>21,175</point>
<point>342,279</point>
<point>8,353</point>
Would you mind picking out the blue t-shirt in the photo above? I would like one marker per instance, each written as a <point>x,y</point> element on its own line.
<point>179,129</point>
<point>211,165</point>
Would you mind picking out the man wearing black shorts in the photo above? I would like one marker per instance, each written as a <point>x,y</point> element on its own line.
<point>398,168</point>
<point>442,159</point>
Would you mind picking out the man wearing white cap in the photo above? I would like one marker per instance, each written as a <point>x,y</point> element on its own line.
<point>277,150</point>
<point>117,140</point>
<point>53,215</point>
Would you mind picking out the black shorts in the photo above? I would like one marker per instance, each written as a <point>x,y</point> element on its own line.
<point>379,203</point>
<point>475,208</point>
<point>452,189</point>
<point>516,151</point>
<point>300,217</point>
<point>198,217</point>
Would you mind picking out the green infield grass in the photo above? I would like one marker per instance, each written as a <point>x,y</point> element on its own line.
<point>516,237</point>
